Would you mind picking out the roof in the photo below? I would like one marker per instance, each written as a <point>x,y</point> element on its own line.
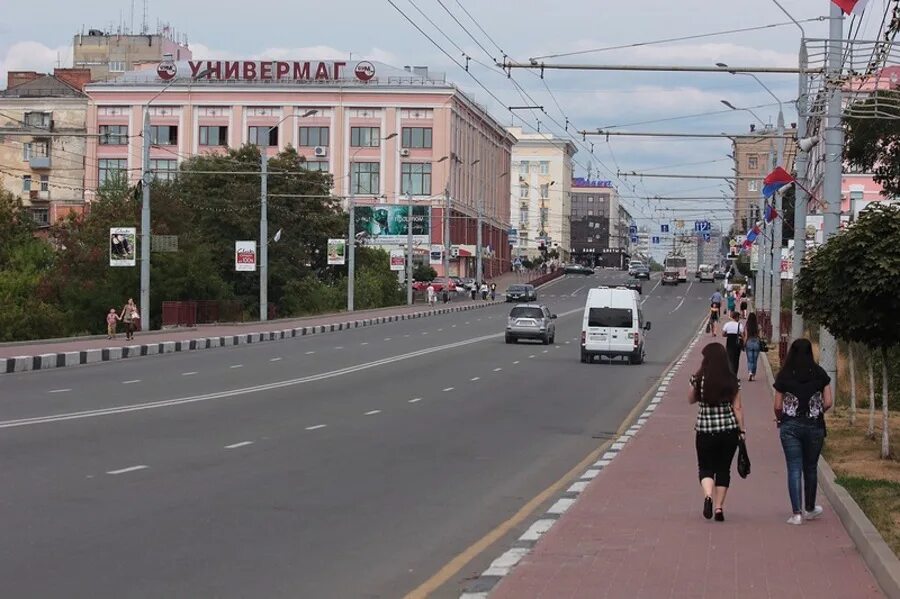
<point>46,86</point>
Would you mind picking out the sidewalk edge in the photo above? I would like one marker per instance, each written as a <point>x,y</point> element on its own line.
<point>878,556</point>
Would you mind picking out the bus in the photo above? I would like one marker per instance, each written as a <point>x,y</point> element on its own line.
<point>678,264</point>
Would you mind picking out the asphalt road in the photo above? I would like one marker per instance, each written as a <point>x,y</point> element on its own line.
<point>354,464</point>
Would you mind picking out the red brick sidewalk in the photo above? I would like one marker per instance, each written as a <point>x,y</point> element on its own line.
<point>637,532</point>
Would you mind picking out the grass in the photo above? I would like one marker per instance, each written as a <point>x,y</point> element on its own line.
<point>880,500</point>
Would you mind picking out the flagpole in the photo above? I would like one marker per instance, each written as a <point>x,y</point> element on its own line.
<point>777,241</point>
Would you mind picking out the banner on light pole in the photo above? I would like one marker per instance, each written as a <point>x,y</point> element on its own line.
<point>245,256</point>
<point>337,251</point>
<point>398,260</point>
<point>436,255</point>
<point>122,246</point>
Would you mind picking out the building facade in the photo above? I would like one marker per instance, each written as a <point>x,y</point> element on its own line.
<point>540,189</point>
<point>42,141</point>
<point>752,162</point>
<point>599,222</point>
<point>110,55</point>
<point>386,135</point>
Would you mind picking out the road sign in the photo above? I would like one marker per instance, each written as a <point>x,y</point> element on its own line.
<point>634,239</point>
<point>664,228</point>
<point>707,237</point>
<point>702,226</point>
<point>632,229</point>
<point>655,239</point>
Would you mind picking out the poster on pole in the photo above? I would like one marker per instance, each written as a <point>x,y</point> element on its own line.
<point>436,255</point>
<point>122,246</point>
<point>245,256</point>
<point>754,257</point>
<point>337,251</point>
<point>398,260</point>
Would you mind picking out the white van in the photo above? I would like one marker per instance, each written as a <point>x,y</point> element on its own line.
<point>613,325</point>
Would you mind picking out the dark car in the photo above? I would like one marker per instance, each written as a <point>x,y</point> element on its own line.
<point>578,269</point>
<point>641,272</point>
<point>521,293</point>
<point>635,285</point>
<point>718,274</point>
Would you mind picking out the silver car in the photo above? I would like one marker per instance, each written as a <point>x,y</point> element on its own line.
<point>531,321</point>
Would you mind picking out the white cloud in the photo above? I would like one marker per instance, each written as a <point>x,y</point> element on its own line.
<point>33,56</point>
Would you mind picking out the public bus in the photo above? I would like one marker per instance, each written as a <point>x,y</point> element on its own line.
<point>679,265</point>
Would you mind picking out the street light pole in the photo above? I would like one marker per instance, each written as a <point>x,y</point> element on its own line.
<point>800,195</point>
<point>409,248</point>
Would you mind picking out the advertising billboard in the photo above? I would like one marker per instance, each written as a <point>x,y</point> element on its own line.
<point>385,224</point>
<point>337,251</point>
<point>436,256</point>
<point>398,260</point>
<point>245,256</point>
<point>122,246</point>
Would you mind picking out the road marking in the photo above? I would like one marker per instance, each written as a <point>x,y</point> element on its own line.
<point>651,292</point>
<point>415,400</point>
<point>372,413</point>
<point>555,347</point>
<point>339,347</point>
<point>424,332</point>
<point>568,342</point>
<point>316,427</point>
<point>497,369</point>
<point>681,303</point>
<point>364,343</point>
<point>452,326</point>
<point>274,359</point>
<point>468,322</point>
<point>58,390</point>
<point>191,373</point>
<point>532,356</point>
<point>516,362</point>
<point>475,378</point>
<point>574,293</point>
<point>131,382</point>
<point>309,353</point>
<point>236,366</point>
<point>448,389</point>
<point>440,330</point>
<point>241,444</point>
<point>387,338</point>
<point>129,469</point>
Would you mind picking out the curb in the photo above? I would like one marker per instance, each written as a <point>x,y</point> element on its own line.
<point>481,586</point>
<point>108,354</point>
<point>878,556</point>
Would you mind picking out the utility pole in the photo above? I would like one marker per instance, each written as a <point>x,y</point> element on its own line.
<point>447,231</point>
<point>778,223</point>
<point>833,154</point>
<point>479,266</point>
<point>764,262</point>
<point>409,249</point>
<point>800,196</point>
<point>264,232</point>
<point>351,250</point>
<point>145,224</point>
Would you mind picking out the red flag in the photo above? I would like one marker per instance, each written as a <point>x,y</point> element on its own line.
<point>855,7</point>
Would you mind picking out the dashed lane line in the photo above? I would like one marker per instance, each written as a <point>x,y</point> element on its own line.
<point>372,412</point>
<point>58,390</point>
<point>316,427</point>
<point>191,373</point>
<point>131,382</point>
<point>448,389</point>
<point>475,378</point>
<point>126,470</point>
<point>236,366</point>
<point>415,400</point>
<point>274,359</point>
<point>241,444</point>
<point>497,369</point>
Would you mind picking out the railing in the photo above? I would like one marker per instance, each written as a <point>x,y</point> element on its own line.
<point>191,313</point>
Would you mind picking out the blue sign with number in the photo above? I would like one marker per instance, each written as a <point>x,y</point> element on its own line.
<point>655,239</point>
<point>664,228</point>
<point>632,229</point>
<point>702,226</point>
<point>707,237</point>
<point>634,239</point>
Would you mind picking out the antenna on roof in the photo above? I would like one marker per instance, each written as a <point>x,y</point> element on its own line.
<point>144,20</point>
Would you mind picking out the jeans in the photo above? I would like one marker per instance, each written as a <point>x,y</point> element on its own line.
<point>715,451</point>
<point>802,443</point>
<point>752,354</point>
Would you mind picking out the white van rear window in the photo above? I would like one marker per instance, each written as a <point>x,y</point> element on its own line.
<point>610,317</point>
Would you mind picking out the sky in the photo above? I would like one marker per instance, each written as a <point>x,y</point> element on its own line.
<point>523,29</point>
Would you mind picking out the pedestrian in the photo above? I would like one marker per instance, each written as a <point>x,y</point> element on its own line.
<point>484,290</point>
<point>720,425</point>
<point>431,294</point>
<point>445,294</point>
<point>715,305</point>
<point>493,291</point>
<point>734,339</point>
<point>474,290</point>
<point>744,305</point>
<point>129,315</point>
<point>751,344</point>
<point>802,396</point>
<point>111,318</point>
<point>730,302</point>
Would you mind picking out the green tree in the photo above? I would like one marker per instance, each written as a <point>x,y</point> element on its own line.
<point>849,286</point>
<point>872,145</point>
<point>424,272</point>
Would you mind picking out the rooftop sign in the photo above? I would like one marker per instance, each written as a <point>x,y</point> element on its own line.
<point>272,70</point>
<point>582,182</point>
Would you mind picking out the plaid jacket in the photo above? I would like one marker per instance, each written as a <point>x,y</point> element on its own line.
<point>713,418</point>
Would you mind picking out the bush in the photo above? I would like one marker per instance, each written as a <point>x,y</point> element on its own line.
<point>424,273</point>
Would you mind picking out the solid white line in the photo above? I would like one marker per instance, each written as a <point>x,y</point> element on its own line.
<point>681,303</point>
<point>497,369</point>
<point>475,378</point>
<point>516,362</point>
<point>415,400</point>
<point>309,353</point>
<point>364,343</point>
<point>241,444</point>
<point>318,426</point>
<point>129,469</point>
<point>448,389</point>
<point>372,413</point>
<point>131,382</point>
<point>574,293</point>
<point>192,373</point>
<point>651,292</point>
<point>236,366</point>
<point>58,390</point>
<point>274,359</point>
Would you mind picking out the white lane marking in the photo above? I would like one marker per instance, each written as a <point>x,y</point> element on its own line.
<point>452,326</point>
<point>236,366</point>
<point>651,292</point>
<point>532,356</point>
<point>131,382</point>
<point>424,332</point>
<point>475,378</point>
<point>448,389</point>
<point>440,330</point>
<point>681,303</point>
<point>387,338</point>
<point>545,351</point>
<point>415,400</point>
<point>129,469</point>
<point>372,413</point>
<point>339,347</point>
<point>241,444</point>
<point>568,342</point>
<point>497,369</point>
<point>191,373</point>
<point>406,335</point>
<point>316,427</point>
<point>274,359</point>
<point>165,403</point>
<point>574,293</point>
<point>364,343</point>
<point>58,390</point>
<point>309,353</point>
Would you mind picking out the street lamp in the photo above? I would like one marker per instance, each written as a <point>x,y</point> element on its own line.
<point>264,216</point>
<point>733,107</point>
<point>409,241</point>
<point>145,200</point>
<point>351,232</point>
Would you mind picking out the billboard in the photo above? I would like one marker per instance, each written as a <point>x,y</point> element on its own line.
<point>122,246</point>
<point>337,251</point>
<point>398,260</point>
<point>245,256</point>
<point>436,256</point>
<point>385,224</point>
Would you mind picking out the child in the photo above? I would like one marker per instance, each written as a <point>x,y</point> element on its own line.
<point>111,319</point>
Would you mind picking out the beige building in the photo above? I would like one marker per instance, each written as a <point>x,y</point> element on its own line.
<point>108,55</point>
<point>540,188</point>
<point>42,141</point>
<point>752,164</point>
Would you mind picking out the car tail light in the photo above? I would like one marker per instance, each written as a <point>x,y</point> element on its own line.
<point>583,337</point>
<point>637,338</point>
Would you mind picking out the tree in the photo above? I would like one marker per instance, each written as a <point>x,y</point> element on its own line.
<point>873,144</point>
<point>423,272</point>
<point>849,286</point>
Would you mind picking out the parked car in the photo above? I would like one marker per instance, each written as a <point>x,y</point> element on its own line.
<point>438,283</point>
<point>577,269</point>
<point>641,272</point>
<point>468,283</point>
<point>521,293</point>
<point>531,321</point>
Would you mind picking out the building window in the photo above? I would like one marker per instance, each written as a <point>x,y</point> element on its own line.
<point>590,213</point>
<point>113,110</point>
<point>213,136</point>
<point>523,215</point>
<point>41,216</point>
<point>164,135</point>
<point>311,137</point>
<point>365,137</point>
<point>116,66</point>
<point>523,191</point>
<point>753,185</point>
<point>45,182</point>
<point>26,183</point>
<point>263,136</point>
<point>38,119</point>
<point>590,199</point>
<point>545,167</point>
<point>113,135</point>
<point>415,178</point>
<point>753,161</point>
<point>263,111</point>
<point>220,111</point>
<point>416,137</point>
<point>111,169</point>
<point>545,191</point>
<point>164,170</point>
<point>365,178</point>
<point>523,167</point>
<point>315,165</point>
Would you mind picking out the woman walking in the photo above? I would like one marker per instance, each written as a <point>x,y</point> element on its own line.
<point>752,344</point>
<point>733,333</point>
<point>720,424</point>
<point>128,316</point>
<point>802,396</point>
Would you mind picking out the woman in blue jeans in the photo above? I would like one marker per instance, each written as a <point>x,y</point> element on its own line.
<point>751,343</point>
<point>802,396</point>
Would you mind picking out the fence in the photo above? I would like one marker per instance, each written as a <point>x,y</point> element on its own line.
<point>193,312</point>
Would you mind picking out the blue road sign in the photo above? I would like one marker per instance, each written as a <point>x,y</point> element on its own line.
<point>634,239</point>
<point>664,228</point>
<point>632,229</point>
<point>655,239</point>
<point>702,226</point>
<point>707,237</point>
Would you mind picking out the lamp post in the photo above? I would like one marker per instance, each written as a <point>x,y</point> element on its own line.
<point>456,160</point>
<point>145,199</point>
<point>479,240</point>
<point>264,216</point>
<point>733,107</point>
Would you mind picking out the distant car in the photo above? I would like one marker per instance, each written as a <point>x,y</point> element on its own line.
<point>633,265</point>
<point>641,272</point>
<point>577,269</point>
<point>468,283</point>
<point>706,273</point>
<point>670,277</point>
<point>636,285</point>
<point>438,283</point>
<point>718,274</point>
<point>531,321</point>
<point>521,293</point>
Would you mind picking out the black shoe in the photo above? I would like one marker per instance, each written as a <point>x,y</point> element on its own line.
<point>707,508</point>
<point>720,516</point>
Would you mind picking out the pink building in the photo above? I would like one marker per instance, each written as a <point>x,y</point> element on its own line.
<point>383,133</point>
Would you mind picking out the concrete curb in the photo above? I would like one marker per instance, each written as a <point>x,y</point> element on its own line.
<point>91,356</point>
<point>878,556</point>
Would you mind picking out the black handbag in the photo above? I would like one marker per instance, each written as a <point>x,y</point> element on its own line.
<point>763,346</point>
<point>743,460</point>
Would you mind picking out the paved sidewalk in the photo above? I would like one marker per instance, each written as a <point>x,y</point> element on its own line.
<point>636,530</point>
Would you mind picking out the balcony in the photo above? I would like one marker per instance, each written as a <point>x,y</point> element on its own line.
<point>39,162</point>
<point>36,194</point>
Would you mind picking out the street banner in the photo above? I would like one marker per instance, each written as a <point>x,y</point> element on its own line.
<point>398,260</point>
<point>787,264</point>
<point>385,224</point>
<point>436,256</point>
<point>754,257</point>
<point>245,256</point>
<point>122,246</point>
<point>337,251</point>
